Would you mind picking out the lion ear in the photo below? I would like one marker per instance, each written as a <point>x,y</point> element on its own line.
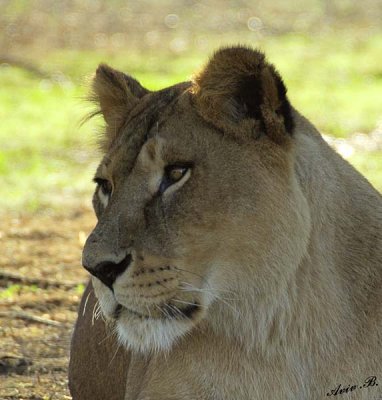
<point>116,94</point>
<point>241,93</point>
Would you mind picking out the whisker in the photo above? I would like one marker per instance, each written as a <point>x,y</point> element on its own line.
<point>86,302</point>
<point>116,351</point>
<point>112,333</point>
<point>217,297</point>
<point>161,284</point>
<point>94,312</point>
<point>164,312</point>
<point>103,317</point>
<point>98,311</point>
<point>204,279</point>
<point>211,288</point>
<point>208,291</point>
<point>176,310</point>
<point>148,310</point>
<point>230,306</point>
<point>188,302</point>
<point>190,272</point>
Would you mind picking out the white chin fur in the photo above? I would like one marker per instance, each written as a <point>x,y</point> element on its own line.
<point>139,334</point>
<point>150,335</point>
<point>105,297</point>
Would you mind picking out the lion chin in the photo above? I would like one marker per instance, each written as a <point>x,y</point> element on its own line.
<point>144,330</point>
<point>145,334</point>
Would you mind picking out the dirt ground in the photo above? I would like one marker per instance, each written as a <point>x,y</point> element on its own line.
<point>37,316</point>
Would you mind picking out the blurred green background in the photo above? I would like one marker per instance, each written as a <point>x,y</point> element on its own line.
<point>328,51</point>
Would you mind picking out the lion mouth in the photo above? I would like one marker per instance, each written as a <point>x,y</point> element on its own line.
<point>168,312</point>
<point>120,308</point>
<point>186,312</point>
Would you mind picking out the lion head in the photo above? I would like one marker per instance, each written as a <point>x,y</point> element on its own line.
<point>200,217</point>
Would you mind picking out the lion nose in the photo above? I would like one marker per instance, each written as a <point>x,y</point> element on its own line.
<point>107,271</point>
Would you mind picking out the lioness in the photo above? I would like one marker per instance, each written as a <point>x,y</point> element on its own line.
<point>236,255</point>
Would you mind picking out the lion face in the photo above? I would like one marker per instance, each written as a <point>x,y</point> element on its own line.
<point>195,199</point>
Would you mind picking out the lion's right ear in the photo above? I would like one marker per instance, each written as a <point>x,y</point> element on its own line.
<point>116,94</point>
<point>242,94</point>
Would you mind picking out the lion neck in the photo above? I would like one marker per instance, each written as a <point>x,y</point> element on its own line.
<point>320,305</point>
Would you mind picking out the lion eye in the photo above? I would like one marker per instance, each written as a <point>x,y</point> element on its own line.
<point>172,174</point>
<point>176,173</point>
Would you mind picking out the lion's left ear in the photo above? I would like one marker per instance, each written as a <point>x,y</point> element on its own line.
<point>116,94</point>
<point>242,94</point>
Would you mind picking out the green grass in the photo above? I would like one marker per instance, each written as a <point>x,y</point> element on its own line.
<point>46,159</point>
<point>14,290</point>
<point>40,140</point>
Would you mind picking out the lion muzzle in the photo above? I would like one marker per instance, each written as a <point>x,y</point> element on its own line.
<point>107,266</point>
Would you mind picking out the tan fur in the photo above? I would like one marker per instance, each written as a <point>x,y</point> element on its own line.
<point>273,234</point>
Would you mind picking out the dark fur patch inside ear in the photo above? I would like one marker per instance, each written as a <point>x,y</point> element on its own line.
<point>250,94</point>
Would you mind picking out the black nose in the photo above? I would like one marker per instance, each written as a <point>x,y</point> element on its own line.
<point>107,272</point>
